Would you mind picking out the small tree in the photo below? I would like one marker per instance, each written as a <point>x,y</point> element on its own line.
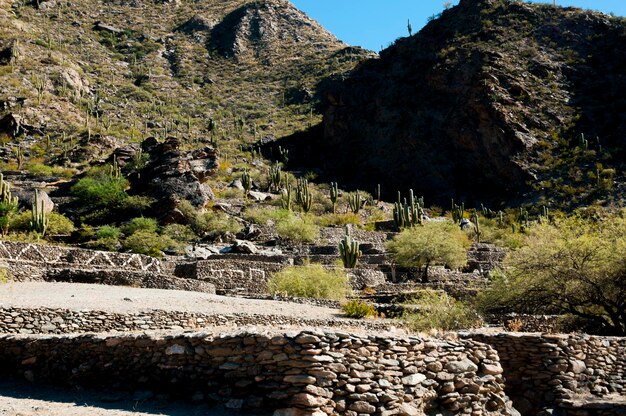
<point>575,267</point>
<point>434,243</point>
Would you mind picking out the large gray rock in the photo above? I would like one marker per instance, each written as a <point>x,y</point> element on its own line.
<point>171,175</point>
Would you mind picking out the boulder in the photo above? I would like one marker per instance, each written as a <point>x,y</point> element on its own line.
<point>171,175</point>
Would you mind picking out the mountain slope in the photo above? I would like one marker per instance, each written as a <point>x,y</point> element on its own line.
<point>488,102</point>
<point>131,69</point>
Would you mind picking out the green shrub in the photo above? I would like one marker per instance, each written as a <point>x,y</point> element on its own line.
<point>105,243</point>
<point>101,191</point>
<point>310,281</point>
<point>297,229</point>
<point>329,220</point>
<point>439,311</point>
<point>179,232</point>
<point>140,224</point>
<point>263,215</point>
<point>210,223</point>
<point>441,243</point>
<point>59,224</point>
<point>148,243</point>
<point>108,231</point>
<point>358,309</point>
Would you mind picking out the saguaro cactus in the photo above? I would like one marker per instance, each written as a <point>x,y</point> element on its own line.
<point>355,202</point>
<point>303,195</point>
<point>246,181</point>
<point>39,218</point>
<point>475,220</point>
<point>275,177</point>
<point>287,195</point>
<point>334,195</point>
<point>349,251</point>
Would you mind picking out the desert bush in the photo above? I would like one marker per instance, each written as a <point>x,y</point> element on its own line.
<point>574,267</point>
<point>329,220</point>
<point>148,243</point>
<point>358,309</point>
<point>140,224</point>
<point>101,191</point>
<point>179,232</point>
<point>297,229</point>
<point>433,243</point>
<point>310,281</point>
<point>108,231</point>
<point>439,311</point>
<point>210,223</point>
<point>58,224</point>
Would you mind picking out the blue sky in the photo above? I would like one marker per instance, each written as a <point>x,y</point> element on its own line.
<point>374,24</point>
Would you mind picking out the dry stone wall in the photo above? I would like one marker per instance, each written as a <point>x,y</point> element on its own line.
<point>38,262</point>
<point>312,373</point>
<point>52,255</point>
<point>547,371</point>
<point>60,321</point>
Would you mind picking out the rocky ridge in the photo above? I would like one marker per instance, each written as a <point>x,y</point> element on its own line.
<point>489,101</point>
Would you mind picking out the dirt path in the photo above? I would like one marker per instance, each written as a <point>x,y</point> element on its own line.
<point>132,300</point>
<point>22,399</point>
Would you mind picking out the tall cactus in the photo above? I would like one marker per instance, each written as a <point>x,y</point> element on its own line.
<point>39,218</point>
<point>334,195</point>
<point>246,181</point>
<point>355,202</point>
<point>377,193</point>
<point>476,222</point>
<point>5,193</point>
<point>275,177</point>
<point>115,170</point>
<point>349,251</point>
<point>287,194</point>
<point>19,157</point>
<point>303,195</point>
<point>284,155</point>
<point>458,212</point>
<point>408,214</point>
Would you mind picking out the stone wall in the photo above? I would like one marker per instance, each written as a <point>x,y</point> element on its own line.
<point>39,262</point>
<point>61,321</point>
<point>547,371</point>
<point>51,255</point>
<point>300,373</point>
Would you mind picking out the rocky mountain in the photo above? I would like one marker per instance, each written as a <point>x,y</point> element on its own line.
<point>126,70</point>
<point>492,101</point>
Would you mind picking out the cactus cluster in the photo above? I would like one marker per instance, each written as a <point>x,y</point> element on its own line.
<point>115,171</point>
<point>544,214</point>
<point>284,155</point>
<point>334,195</point>
<point>275,177</point>
<point>39,218</point>
<point>303,195</point>
<point>584,143</point>
<point>355,202</point>
<point>410,213</point>
<point>523,220</point>
<point>458,212</point>
<point>487,212</point>
<point>5,193</point>
<point>349,251</point>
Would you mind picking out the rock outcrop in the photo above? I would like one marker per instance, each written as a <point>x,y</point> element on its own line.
<point>172,175</point>
<point>486,99</point>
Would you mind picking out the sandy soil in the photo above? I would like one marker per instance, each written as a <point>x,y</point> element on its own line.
<point>122,299</point>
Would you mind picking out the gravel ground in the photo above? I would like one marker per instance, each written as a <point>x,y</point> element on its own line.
<point>22,399</point>
<point>122,299</point>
